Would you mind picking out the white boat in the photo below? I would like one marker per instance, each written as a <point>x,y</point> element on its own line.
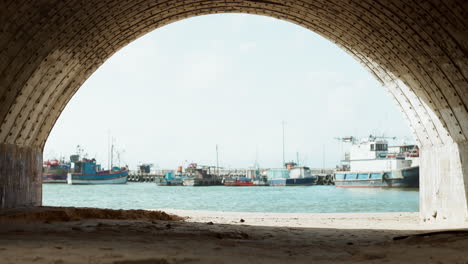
<point>370,164</point>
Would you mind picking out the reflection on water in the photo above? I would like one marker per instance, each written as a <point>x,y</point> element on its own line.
<point>309,199</point>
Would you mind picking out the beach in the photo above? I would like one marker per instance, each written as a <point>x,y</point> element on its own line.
<point>69,235</point>
<point>383,221</point>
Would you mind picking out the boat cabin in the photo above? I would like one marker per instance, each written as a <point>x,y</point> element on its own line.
<point>86,166</point>
<point>281,173</point>
<point>300,172</point>
<point>369,149</point>
<point>372,155</point>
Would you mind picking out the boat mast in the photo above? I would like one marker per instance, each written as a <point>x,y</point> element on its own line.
<point>282,123</point>
<point>112,154</point>
<point>323,156</point>
<point>108,150</point>
<point>256,165</point>
<point>217,161</point>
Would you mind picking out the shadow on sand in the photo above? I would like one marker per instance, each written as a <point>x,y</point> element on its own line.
<point>78,235</point>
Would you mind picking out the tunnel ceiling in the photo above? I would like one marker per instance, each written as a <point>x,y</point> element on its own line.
<point>416,49</point>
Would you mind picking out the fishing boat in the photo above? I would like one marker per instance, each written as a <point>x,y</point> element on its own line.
<point>370,164</point>
<point>238,181</point>
<point>201,177</point>
<point>171,180</point>
<point>87,171</point>
<point>201,181</point>
<point>55,171</point>
<point>301,176</point>
<point>292,182</point>
<point>291,176</point>
<point>263,181</point>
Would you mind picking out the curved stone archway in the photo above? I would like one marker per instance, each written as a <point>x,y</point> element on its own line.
<point>418,50</point>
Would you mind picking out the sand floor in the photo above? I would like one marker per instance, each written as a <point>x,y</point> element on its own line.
<point>91,236</point>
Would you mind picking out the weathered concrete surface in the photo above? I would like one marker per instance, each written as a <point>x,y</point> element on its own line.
<point>444,185</point>
<point>20,176</point>
<point>416,49</point>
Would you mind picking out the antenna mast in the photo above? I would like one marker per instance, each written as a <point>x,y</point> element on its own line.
<point>108,149</point>
<point>256,165</point>
<point>282,123</point>
<point>112,154</point>
<point>217,161</point>
<point>323,156</point>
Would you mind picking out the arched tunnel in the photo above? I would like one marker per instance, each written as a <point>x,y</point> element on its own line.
<point>417,50</point>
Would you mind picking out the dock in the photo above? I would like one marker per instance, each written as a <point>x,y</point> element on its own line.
<point>134,177</point>
<point>324,176</point>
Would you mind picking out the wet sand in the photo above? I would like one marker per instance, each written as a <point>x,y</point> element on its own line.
<point>91,236</point>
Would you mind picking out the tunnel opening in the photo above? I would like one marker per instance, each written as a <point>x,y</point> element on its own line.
<point>417,50</point>
<point>227,81</point>
<point>414,49</point>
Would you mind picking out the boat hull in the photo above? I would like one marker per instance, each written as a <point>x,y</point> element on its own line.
<point>119,177</point>
<point>260,183</point>
<point>404,178</point>
<point>201,182</point>
<point>238,184</point>
<point>54,178</point>
<point>293,182</point>
<point>170,183</point>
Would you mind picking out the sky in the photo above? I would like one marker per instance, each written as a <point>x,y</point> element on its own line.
<point>230,80</point>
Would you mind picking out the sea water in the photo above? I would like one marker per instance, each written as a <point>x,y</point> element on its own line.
<point>300,199</point>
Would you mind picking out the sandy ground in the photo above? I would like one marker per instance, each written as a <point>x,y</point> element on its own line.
<point>68,235</point>
<point>388,221</point>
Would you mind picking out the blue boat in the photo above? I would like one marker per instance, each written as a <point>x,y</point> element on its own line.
<point>86,171</point>
<point>171,180</point>
<point>371,165</point>
<point>403,178</point>
<point>292,176</point>
<point>293,182</point>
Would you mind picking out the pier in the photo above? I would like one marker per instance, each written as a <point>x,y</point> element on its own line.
<point>324,176</point>
<point>144,177</point>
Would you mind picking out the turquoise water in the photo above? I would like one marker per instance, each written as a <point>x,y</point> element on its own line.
<point>308,199</point>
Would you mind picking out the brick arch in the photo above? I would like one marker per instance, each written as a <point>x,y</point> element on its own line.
<point>417,50</point>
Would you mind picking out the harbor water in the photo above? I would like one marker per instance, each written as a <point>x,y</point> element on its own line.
<point>306,199</point>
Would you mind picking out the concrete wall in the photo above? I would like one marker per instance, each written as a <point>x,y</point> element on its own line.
<point>20,176</point>
<point>444,183</point>
<point>416,49</point>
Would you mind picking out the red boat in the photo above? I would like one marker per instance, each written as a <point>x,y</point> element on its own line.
<point>55,171</point>
<point>238,182</point>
